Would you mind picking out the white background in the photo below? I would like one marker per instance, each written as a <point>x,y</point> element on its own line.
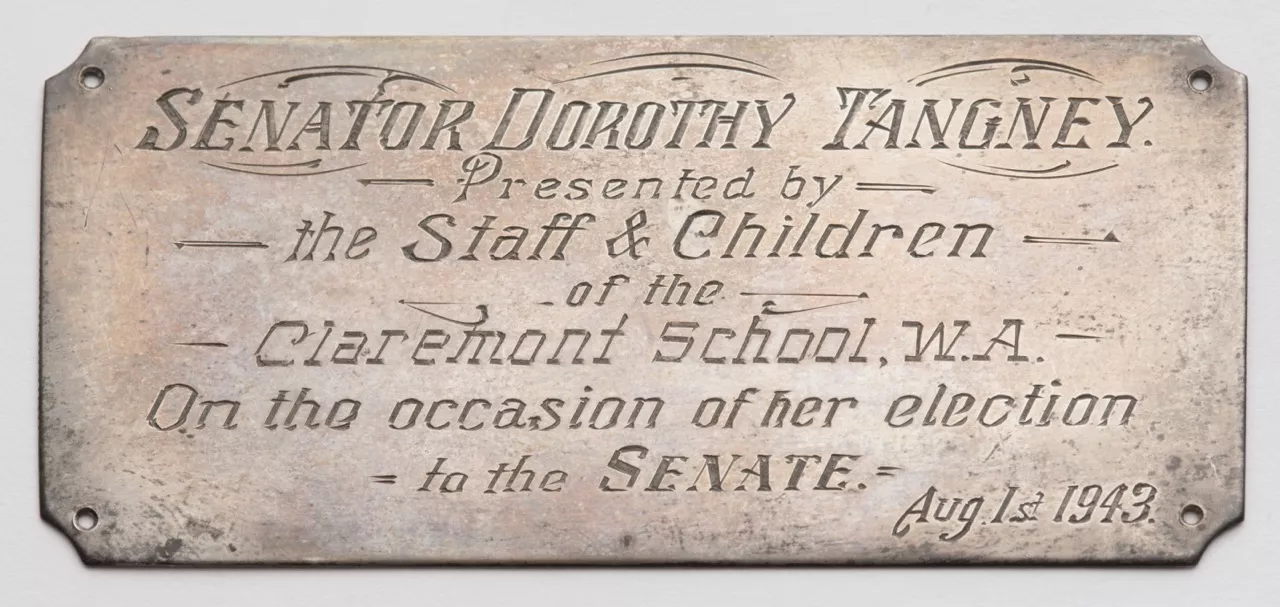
<point>39,567</point>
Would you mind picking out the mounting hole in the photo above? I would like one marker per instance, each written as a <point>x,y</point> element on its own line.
<point>86,519</point>
<point>92,77</point>
<point>1200,80</point>
<point>1192,515</point>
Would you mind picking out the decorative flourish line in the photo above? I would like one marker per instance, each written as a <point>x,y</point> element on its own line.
<point>1023,64</point>
<point>311,164</point>
<point>894,187</point>
<point>300,77</point>
<point>768,308</point>
<point>959,73</point>
<point>271,174</point>
<point>862,295</point>
<point>678,53</point>
<point>1029,173</point>
<point>1109,238</point>
<point>1021,67</point>
<point>670,66</point>
<point>388,75</point>
<point>1052,169</point>
<point>1076,336</point>
<point>202,344</point>
<point>418,305</point>
<point>220,244</point>
<point>389,181</point>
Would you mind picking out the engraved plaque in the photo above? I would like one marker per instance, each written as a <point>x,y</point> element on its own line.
<point>643,300</point>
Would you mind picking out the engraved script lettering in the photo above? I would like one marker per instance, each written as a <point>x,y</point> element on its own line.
<point>760,300</point>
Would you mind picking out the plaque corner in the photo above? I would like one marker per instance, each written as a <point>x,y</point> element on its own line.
<point>1209,63</point>
<point>1232,519</point>
<point>65,525</point>
<point>86,69</point>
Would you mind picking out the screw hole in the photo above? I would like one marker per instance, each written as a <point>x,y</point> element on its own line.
<point>86,519</point>
<point>1200,80</point>
<point>92,78</point>
<point>1192,515</point>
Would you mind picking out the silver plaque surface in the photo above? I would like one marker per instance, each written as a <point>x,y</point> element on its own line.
<point>897,300</point>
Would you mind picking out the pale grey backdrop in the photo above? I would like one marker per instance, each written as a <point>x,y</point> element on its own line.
<point>39,567</point>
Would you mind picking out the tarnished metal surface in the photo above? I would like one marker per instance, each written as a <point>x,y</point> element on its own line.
<point>757,300</point>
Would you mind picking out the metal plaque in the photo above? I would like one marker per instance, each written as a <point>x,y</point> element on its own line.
<point>897,300</point>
